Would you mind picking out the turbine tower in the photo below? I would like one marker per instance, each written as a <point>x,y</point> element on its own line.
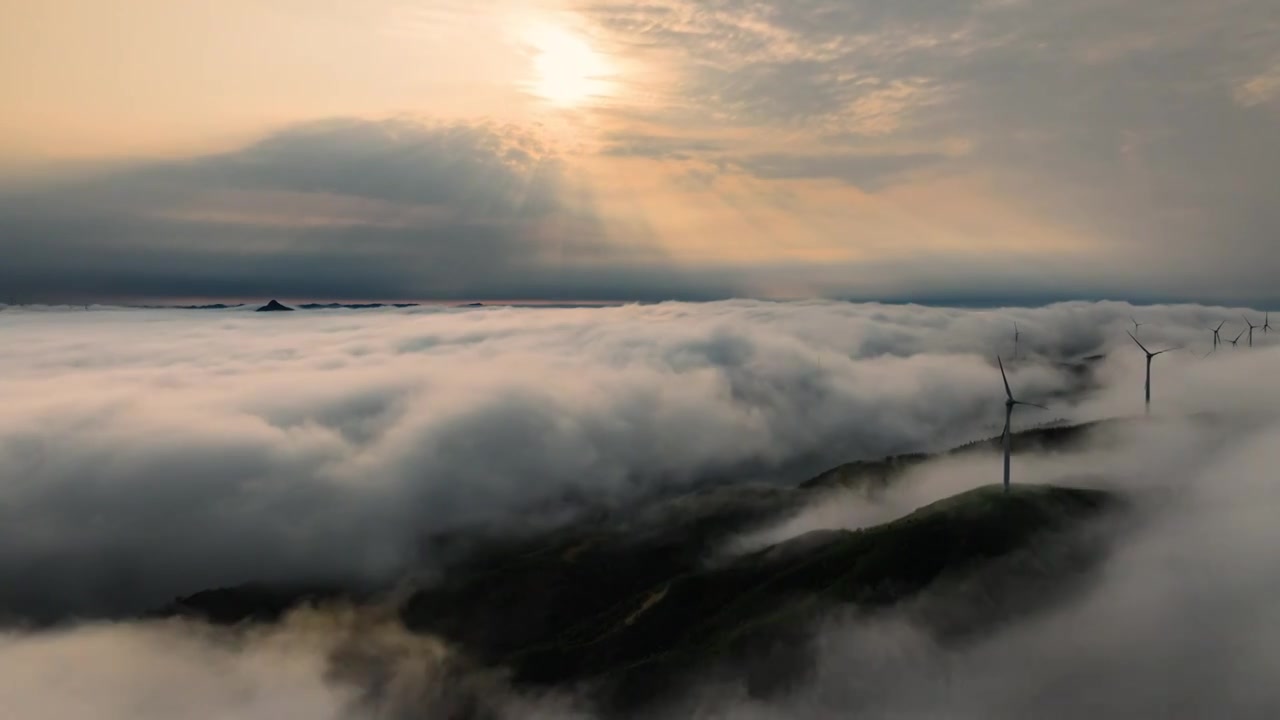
<point>1149,356</point>
<point>1009,402</point>
<point>1252,327</point>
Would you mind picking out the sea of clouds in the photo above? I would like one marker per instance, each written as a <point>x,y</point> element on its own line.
<point>150,453</point>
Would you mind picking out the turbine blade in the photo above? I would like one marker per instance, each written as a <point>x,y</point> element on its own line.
<point>1004,377</point>
<point>1019,402</point>
<point>1224,322</point>
<point>1144,347</point>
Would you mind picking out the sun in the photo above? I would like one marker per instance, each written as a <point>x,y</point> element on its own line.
<point>567,71</point>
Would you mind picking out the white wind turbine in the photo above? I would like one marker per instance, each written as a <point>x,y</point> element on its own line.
<point>1009,402</point>
<point>1149,356</point>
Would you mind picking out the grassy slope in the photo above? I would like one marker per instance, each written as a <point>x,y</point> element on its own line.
<point>633,605</point>
<point>679,622</point>
<point>875,475</point>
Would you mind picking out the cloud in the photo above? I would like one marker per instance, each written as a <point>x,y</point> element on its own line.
<point>156,453</point>
<point>1179,616</point>
<point>329,664</point>
<point>1144,132</point>
<point>151,453</point>
<point>165,671</point>
<point>343,208</point>
<point>867,172</point>
<point>658,147</point>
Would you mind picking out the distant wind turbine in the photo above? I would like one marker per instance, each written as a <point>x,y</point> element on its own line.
<point>1149,356</point>
<point>1008,420</point>
<point>1016,335</point>
<point>1252,327</point>
<point>1136,324</point>
<point>1266,325</point>
<point>1217,339</point>
<point>1236,342</point>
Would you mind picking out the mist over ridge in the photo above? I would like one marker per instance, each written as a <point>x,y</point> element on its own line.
<point>154,453</point>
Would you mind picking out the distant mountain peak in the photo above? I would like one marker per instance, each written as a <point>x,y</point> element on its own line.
<point>274,306</point>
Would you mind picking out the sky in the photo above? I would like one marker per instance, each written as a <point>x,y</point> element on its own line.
<point>973,152</point>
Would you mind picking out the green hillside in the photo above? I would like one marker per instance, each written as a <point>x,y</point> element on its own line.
<point>631,605</point>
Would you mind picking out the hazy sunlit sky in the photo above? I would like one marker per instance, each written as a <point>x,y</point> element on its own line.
<point>937,150</point>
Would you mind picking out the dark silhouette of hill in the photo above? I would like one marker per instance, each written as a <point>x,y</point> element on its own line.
<point>353,306</point>
<point>256,602</point>
<point>274,306</point>
<point>874,475</point>
<point>628,604</point>
<point>605,613</point>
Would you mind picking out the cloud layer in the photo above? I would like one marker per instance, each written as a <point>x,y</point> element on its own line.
<point>343,208</point>
<point>1178,621</point>
<point>1142,133</point>
<point>153,453</point>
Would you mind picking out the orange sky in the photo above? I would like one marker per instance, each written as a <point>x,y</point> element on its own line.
<point>718,134</point>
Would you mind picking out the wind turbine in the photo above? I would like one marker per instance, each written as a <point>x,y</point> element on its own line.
<point>1217,339</point>
<point>1236,342</point>
<point>1016,335</point>
<point>1266,325</point>
<point>1149,356</point>
<point>1009,402</point>
<point>1136,325</point>
<point>1251,329</point>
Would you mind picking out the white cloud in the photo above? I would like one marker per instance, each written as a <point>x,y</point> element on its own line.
<point>1180,620</point>
<point>150,453</point>
<point>329,664</point>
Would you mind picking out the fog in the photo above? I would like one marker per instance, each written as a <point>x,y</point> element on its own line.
<point>332,664</point>
<point>1181,621</point>
<point>151,453</point>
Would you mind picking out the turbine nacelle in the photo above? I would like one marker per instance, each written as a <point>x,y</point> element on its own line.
<point>1148,352</point>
